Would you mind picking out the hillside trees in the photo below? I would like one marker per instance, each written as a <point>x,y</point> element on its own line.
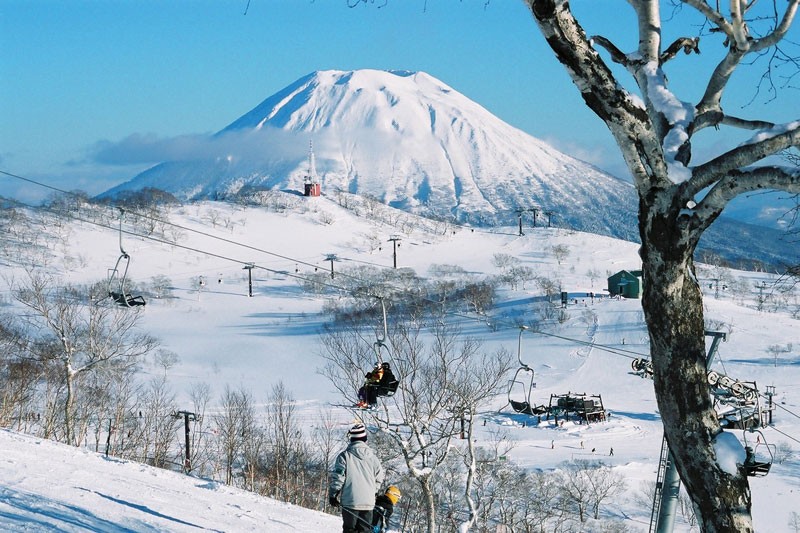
<point>18,376</point>
<point>679,198</point>
<point>82,346</point>
<point>444,380</point>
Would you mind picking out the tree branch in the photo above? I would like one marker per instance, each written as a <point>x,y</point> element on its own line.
<point>739,182</point>
<point>716,117</point>
<point>713,16</point>
<point>783,26</point>
<point>739,42</point>
<point>688,44</point>
<point>744,155</point>
<point>617,56</point>
<point>627,121</point>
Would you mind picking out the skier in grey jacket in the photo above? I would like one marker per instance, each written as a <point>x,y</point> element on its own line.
<point>357,475</point>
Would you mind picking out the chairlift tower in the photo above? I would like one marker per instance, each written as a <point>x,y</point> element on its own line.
<point>519,218</point>
<point>394,240</point>
<point>249,267</point>
<point>187,417</point>
<point>668,482</point>
<point>331,258</point>
<point>716,287</point>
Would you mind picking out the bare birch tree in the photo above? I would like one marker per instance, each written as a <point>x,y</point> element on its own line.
<point>233,424</point>
<point>79,337</point>
<point>444,381</point>
<point>680,198</point>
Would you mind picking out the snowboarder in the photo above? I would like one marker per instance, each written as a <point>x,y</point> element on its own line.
<point>611,452</point>
<point>384,507</point>
<point>357,474</point>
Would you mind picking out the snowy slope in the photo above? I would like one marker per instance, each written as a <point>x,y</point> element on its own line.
<point>222,337</point>
<point>53,487</point>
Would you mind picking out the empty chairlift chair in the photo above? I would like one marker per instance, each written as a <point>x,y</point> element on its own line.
<point>522,384</point>
<point>117,279</point>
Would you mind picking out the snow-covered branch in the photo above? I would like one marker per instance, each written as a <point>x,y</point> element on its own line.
<point>717,117</point>
<point>739,182</point>
<point>764,144</point>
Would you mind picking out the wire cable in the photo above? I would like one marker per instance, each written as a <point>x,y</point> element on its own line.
<point>179,226</point>
<point>617,351</point>
<point>630,354</point>
<point>783,433</point>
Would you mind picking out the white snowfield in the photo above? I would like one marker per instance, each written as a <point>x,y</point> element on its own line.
<point>223,337</point>
<point>53,487</point>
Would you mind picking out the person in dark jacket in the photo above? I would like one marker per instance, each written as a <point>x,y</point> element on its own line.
<point>384,507</point>
<point>357,475</point>
<point>368,393</point>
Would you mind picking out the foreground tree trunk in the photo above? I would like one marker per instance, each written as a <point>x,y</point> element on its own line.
<point>673,308</point>
<point>677,203</point>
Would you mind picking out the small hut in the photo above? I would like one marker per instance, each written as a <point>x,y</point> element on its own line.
<point>626,283</point>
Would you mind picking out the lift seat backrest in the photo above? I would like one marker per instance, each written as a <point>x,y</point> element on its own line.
<point>388,388</point>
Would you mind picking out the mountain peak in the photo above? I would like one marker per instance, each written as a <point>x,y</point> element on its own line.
<point>408,139</point>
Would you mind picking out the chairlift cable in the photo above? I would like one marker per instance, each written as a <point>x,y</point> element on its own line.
<point>783,433</point>
<point>782,407</point>
<point>630,354</point>
<point>177,245</point>
<point>617,351</point>
<point>167,222</point>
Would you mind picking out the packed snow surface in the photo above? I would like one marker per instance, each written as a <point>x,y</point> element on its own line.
<point>223,337</point>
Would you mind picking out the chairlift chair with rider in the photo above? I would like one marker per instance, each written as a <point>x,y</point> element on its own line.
<point>759,457</point>
<point>388,384</point>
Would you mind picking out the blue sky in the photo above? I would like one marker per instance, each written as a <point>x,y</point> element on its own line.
<point>81,75</point>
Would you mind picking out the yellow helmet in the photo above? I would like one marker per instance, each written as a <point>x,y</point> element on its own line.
<point>393,493</point>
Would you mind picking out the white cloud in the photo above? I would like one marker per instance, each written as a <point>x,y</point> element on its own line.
<point>148,148</point>
<point>605,157</point>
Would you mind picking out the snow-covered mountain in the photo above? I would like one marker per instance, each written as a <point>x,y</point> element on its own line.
<point>416,144</point>
<point>407,139</point>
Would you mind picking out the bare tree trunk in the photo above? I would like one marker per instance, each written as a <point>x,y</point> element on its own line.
<point>673,306</point>
<point>678,201</point>
<point>430,502</point>
<point>472,466</point>
<point>69,376</point>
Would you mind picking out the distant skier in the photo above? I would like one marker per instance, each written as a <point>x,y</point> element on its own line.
<point>611,452</point>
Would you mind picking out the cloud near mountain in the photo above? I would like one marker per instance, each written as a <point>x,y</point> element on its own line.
<point>149,148</point>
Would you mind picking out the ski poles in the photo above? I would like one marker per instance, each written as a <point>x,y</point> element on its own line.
<point>369,525</point>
